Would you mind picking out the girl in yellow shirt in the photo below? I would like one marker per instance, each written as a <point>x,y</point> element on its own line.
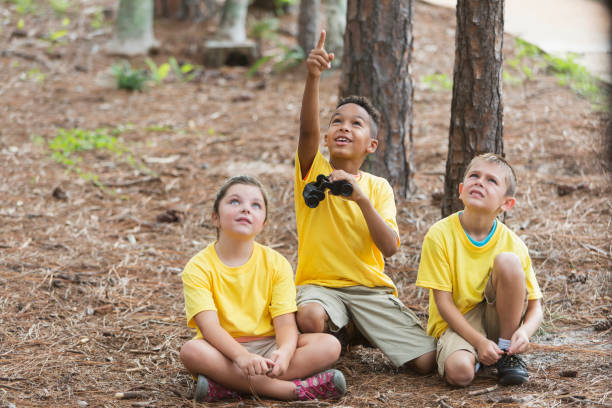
<point>240,297</point>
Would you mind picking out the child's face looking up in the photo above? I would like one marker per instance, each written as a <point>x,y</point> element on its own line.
<point>349,132</point>
<point>484,188</point>
<point>242,212</point>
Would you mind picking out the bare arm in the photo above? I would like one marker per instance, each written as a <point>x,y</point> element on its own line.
<point>384,237</point>
<point>286,340</point>
<point>250,364</point>
<point>318,61</point>
<point>531,322</point>
<point>488,352</point>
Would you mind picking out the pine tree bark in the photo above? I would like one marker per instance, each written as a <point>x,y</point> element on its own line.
<point>133,33</point>
<point>232,26</point>
<point>376,64</point>
<point>308,24</point>
<point>476,124</point>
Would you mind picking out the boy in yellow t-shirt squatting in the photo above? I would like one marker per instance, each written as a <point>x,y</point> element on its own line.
<point>484,301</point>
<point>342,242</point>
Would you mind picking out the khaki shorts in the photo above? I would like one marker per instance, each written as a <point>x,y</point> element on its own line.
<point>483,318</point>
<point>262,347</point>
<point>380,316</point>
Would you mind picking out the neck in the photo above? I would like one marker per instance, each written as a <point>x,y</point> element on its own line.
<point>350,166</point>
<point>233,252</point>
<point>477,226</point>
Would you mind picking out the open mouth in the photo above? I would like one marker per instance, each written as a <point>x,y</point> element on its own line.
<point>342,140</point>
<point>476,193</point>
<point>243,220</point>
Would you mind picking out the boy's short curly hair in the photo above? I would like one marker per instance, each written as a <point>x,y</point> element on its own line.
<point>366,104</point>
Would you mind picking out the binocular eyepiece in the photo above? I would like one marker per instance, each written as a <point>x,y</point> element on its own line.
<point>314,192</point>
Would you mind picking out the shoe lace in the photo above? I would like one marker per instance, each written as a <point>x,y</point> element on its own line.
<point>512,361</point>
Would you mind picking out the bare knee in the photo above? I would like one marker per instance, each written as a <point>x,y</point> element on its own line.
<point>459,371</point>
<point>311,318</point>
<point>194,354</point>
<point>425,363</point>
<point>508,266</point>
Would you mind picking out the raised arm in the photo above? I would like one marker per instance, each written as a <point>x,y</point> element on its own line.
<point>318,61</point>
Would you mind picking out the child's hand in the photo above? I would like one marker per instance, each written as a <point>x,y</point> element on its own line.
<point>253,364</point>
<point>319,60</point>
<point>281,363</point>
<point>343,175</point>
<point>488,352</point>
<point>519,341</point>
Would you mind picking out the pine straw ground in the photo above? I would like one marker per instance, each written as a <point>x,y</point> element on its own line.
<point>91,301</point>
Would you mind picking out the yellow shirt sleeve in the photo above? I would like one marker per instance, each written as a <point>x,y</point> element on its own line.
<point>246,298</point>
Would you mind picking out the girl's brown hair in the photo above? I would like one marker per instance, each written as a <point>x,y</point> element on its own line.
<point>248,180</point>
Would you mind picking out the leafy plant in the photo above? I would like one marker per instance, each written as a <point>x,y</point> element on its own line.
<point>60,6</point>
<point>285,57</point>
<point>97,19</point>
<point>23,6</point>
<point>158,74</point>
<point>438,82</point>
<point>129,78</point>
<point>183,73</point>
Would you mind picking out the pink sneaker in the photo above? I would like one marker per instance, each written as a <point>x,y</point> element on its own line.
<point>326,384</point>
<point>209,391</point>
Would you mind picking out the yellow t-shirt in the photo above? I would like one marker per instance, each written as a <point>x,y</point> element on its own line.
<point>450,262</point>
<point>335,245</point>
<point>247,297</point>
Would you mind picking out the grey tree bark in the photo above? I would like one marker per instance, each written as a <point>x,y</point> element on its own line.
<point>476,124</point>
<point>232,26</point>
<point>335,12</point>
<point>308,24</point>
<point>377,65</point>
<point>133,33</point>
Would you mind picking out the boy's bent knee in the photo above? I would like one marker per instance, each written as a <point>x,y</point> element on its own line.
<point>459,370</point>
<point>507,265</point>
<point>312,318</point>
<point>425,363</point>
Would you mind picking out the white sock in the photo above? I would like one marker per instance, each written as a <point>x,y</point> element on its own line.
<point>503,344</point>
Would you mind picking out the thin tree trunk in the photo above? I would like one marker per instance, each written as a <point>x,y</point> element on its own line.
<point>308,24</point>
<point>232,26</point>
<point>379,37</point>
<point>477,108</point>
<point>133,33</point>
<point>335,12</point>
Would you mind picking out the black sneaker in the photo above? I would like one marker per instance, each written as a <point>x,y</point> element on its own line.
<point>511,370</point>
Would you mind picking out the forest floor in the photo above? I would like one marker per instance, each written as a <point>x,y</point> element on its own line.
<point>91,299</point>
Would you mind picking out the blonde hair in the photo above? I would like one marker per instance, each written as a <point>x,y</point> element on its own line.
<point>509,176</point>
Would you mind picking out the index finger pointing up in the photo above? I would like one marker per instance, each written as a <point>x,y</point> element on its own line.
<point>321,40</point>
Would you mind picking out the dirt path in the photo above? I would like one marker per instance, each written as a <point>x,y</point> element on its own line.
<point>91,300</point>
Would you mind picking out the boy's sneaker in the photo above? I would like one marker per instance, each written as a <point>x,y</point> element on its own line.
<point>511,370</point>
<point>326,384</point>
<point>209,391</point>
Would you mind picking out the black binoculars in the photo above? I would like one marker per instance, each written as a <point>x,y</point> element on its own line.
<point>314,192</point>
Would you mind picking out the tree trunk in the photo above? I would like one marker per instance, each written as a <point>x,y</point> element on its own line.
<point>233,21</point>
<point>477,108</point>
<point>133,34</point>
<point>335,12</point>
<point>308,24</point>
<point>379,37</point>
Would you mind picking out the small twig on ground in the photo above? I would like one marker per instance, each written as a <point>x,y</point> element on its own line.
<point>546,347</point>
<point>483,391</point>
<point>131,394</point>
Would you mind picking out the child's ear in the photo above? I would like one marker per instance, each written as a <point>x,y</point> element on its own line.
<point>460,188</point>
<point>325,139</point>
<point>508,203</point>
<point>214,217</point>
<point>372,146</point>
